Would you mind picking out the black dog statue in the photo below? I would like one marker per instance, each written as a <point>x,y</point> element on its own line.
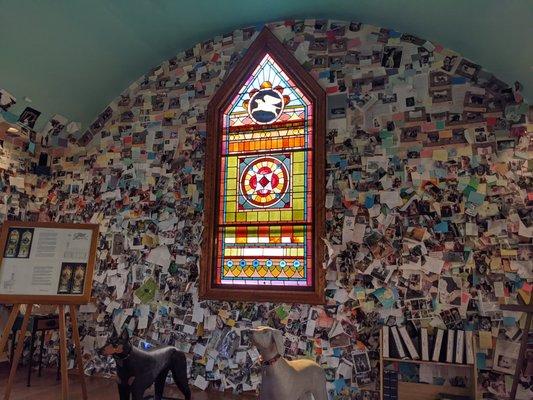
<point>137,370</point>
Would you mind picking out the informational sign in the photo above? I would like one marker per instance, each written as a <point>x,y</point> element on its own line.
<point>47,262</point>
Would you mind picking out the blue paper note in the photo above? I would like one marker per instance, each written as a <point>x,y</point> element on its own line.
<point>509,321</point>
<point>481,361</point>
<point>476,198</point>
<point>339,385</point>
<point>323,75</point>
<point>441,227</point>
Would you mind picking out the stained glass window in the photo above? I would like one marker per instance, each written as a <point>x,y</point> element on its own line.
<point>263,217</point>
<point>265,183</point>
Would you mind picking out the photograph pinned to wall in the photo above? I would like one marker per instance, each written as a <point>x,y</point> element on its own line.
<point>392,57</point>
<point>7,100</point>
<point>417,308</point>
<point>361,101</point>
<point>75,187</point>
<point>337,106</point>
<point>467,69</point>
<point>29,117</point>
<point>361,362</point>
<point>506,356</point>
<point>118,244</point>
<point>53,128</point>
<point>146,292</point>
<point>452,318</point>
<point>449,63</point>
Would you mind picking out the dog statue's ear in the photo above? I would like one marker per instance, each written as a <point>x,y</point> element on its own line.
<point>115,333</point>
<point>277,336</point>
<point>125,335</point>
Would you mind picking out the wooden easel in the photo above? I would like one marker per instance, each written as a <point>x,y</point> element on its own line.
<point>62,347</point>
<point>528,309</point>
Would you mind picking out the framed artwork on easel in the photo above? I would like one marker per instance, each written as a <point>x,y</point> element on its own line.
<point>47,263</point>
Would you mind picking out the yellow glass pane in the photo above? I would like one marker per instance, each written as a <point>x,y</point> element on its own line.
<point>251,216</point>
<point>286,215</point>
<point>231,184</point>
<point>230,217</point>
<point>298,215</point>
<point>298,204</point>
<point>262,216</point>
<point>274,215</point>
<point>298,180</point>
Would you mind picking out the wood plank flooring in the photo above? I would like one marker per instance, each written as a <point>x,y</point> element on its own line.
<point>47,388</point>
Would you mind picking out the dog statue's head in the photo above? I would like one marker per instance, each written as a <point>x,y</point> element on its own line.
<point>269,341</point>
<point>117,345</point>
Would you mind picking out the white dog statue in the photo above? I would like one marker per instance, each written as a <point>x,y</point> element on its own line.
<point>283,379</point>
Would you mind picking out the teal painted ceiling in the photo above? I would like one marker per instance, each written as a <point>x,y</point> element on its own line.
<point>73,57</point>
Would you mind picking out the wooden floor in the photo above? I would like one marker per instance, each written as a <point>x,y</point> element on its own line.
<point>47,388</point>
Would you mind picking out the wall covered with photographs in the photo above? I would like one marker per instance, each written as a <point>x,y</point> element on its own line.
<point>427,208</point>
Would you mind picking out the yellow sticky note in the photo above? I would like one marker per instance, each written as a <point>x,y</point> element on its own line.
<point>500,168</point>
<point>367,306</point>
<point>508,252</point>
<point>485,340</point>
<point>440,155</point>
<point>191,189</point>
<point>147,240</point>
<point>495,263</point>
<point>526,296</point>
<point>464,151</point>
<point>446,134</point>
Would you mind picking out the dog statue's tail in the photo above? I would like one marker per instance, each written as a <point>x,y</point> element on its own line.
<point>179,373</point>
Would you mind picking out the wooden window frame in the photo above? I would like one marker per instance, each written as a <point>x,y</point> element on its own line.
<point>265,43</point>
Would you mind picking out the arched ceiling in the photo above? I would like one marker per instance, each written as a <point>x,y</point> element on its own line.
<point>73,57</point>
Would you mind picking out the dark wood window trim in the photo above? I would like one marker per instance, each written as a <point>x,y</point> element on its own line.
<point>265,43</point>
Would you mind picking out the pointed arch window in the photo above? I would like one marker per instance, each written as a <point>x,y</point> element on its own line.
<point>264,181</point>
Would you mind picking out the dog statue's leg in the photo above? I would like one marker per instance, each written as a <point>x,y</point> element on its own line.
<point>137,394</point>
<point>306,396</point>
<point>179,373</point>
<point>320,392</point>
<point>180,378</point>
<point>159,385</point>
<point>138,388</point>
<point>123,392</point>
